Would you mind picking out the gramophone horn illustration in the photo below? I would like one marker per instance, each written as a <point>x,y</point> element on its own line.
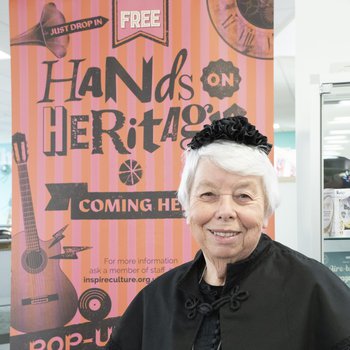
<point>41,34</point>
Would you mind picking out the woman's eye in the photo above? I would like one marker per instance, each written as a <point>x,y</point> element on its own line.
<point>244,196</point>
<point>207,195</point>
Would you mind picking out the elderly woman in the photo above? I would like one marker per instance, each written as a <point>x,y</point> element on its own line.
<point>242,291</point>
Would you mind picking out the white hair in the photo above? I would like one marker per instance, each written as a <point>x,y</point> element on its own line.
<point>234,158</point>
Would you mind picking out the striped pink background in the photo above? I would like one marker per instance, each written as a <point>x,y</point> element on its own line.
<point>190,28</point>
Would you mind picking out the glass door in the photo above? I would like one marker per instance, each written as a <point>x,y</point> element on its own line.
<point>335,150</point>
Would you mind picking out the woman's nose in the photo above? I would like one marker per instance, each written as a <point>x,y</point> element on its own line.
<point>226,209</point>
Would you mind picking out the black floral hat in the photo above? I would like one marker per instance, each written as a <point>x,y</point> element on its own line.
<point>236,129</point>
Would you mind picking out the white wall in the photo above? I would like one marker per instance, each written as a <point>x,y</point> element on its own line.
<point>286,215</point>
<point>322,39</point>
<point>5,268</point>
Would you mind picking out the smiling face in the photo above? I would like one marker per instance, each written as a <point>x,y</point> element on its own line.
<point>226,213</point>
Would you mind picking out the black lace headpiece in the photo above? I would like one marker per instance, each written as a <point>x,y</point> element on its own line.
<point>236,129</point>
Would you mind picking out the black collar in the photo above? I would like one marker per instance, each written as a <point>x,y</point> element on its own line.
<point>235,272</point>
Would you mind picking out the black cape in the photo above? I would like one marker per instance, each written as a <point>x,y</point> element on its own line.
<point>275,299</point>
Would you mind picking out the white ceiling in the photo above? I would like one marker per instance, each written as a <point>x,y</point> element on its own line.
<point>284,68</point>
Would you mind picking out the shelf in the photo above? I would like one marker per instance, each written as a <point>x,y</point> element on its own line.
<point>335,238</point>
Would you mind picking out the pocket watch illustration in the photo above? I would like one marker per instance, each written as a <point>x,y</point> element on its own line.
<point>130,172</point>
<point>245,25</point>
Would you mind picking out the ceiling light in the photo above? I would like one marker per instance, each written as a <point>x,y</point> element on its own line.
<point>340,132</point>
<point>330,157</point>
<point>340,120</point>
<point>331,154</point>
<point>338,141</point>
<point>333,147</point>
<point>335,137</point>
<point>4,55</point>
<point>276,126</point>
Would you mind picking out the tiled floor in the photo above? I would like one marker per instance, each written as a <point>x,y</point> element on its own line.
<point>4,324</point>
<point>4,319</point>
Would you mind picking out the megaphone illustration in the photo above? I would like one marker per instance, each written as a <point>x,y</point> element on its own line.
<point>40,33</point>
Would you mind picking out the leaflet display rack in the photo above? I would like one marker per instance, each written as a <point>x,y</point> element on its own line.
<point>335,151</point>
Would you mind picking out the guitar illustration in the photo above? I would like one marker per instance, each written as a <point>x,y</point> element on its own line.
<point>42,295</point>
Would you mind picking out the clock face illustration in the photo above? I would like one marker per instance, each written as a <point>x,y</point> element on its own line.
<point>245,25</point>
